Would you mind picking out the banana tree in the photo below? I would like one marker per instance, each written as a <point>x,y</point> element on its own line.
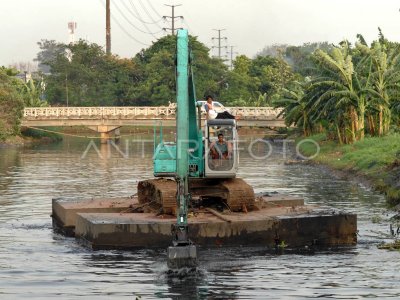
<point>294,107</point>
<point>385,88</point>
<point>32,95</point>
<point>337,92</point>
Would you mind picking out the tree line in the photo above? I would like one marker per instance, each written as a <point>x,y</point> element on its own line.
<point>90,77</point>
<point>345,90</point>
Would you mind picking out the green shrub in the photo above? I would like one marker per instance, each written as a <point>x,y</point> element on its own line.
<point>11,107</point>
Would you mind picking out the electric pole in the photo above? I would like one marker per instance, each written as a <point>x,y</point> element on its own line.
<point>66,88</point>
<point>108,28</point>
<point>173,17</point>
<point>219,38</point>
<point>231,53</point>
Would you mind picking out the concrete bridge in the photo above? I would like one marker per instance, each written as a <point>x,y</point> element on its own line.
<point>106,120</point>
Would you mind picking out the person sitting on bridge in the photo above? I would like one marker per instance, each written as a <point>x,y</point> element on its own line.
<point>221,149</point>
<point>212,114</point>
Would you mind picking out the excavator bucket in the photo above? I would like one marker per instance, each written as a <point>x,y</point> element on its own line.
<point>182,257</point>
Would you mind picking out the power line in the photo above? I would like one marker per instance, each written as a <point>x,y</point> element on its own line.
<point>136,14</point>
<point>152,7</point>
<point>219,38</point>
<point>132,24</point>
<point>186,23</point>
<point>188,27</point>
<point>173,17</point>
<point>122,27</point>
<point>127,33</point>
<point>147,12</point>
<point>139,17</point>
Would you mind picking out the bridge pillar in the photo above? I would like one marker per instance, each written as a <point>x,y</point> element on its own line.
<point>105,132</point>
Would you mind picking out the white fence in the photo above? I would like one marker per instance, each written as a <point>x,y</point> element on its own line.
<point>134,112</point>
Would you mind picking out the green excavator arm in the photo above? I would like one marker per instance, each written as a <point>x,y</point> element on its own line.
<point>188,137</point>
<point>172,159</point>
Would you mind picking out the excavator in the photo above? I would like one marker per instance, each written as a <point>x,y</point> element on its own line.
<point>199,179</point>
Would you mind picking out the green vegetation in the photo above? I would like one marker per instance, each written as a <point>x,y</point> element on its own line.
<point>93,78</point>
<point>86,74</point>
<point>14,96</point>
<point>256,82</point>
<point>156,84</point>
<point>90,77</point>
<point>375,158</point>
<point>11,106</point>
<point>298,57</point>
<point>42,135</point>
<point>351,92</point>
<point>349,103</point>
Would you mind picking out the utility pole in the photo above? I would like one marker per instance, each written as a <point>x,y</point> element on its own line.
<point>66,88</point>
<point>68,56</point>
<point>231,53</point>
<point>219,38</point>
<point>173,17</point>
<point>108,28</point>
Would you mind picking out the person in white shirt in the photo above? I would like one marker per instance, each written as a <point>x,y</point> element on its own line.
<point>212,114</point>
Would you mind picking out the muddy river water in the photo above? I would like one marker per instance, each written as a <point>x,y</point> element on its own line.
<point>37,263</point>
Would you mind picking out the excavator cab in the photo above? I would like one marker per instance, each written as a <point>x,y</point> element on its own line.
<point>221,157</point>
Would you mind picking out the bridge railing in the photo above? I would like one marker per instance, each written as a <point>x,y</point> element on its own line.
<point>98,112</point>
<point>128,112</point>
<point>270,112</point>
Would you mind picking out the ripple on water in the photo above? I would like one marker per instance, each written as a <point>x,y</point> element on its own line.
<point>37,263</point>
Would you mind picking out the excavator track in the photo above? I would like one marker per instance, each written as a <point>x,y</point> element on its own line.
<point>235,193</point>
<point>160,191</point>
<point>241,195</point>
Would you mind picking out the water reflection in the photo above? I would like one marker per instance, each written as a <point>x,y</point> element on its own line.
<point>191,286</point>
<point>10,161</point>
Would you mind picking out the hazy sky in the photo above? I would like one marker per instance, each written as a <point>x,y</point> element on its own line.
<point>250,24</point>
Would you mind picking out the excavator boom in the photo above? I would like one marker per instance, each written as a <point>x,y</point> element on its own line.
<point>200,179</point>
<point>182,253</point>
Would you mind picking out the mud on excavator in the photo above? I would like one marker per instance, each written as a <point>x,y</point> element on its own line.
<point>189,176</point>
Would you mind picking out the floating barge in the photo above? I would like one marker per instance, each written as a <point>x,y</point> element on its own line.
<point>123,223</point>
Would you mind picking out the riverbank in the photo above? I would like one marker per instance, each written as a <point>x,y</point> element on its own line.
<point>30,137</point>
<point>375,159</point>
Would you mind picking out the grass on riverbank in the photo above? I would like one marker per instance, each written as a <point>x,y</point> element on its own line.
<point>41,135</point>
<point>30,136</point>
<point>375,158</point>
